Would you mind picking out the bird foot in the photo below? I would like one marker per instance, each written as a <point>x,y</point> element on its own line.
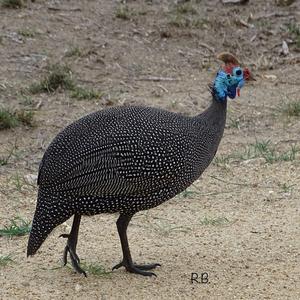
<point>75,261</point>
<point>138,269</point>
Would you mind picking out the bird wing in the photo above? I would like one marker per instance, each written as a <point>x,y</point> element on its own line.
<point>116,168</point>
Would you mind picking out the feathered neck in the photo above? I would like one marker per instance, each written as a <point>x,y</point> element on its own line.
<point>215,114</point>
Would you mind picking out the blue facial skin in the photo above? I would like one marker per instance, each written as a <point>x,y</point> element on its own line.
<point>227,84</point>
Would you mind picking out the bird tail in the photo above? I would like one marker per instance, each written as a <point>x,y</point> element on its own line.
<point>51,210</point>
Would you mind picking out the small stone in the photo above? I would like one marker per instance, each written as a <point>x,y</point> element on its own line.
<point>270,77</point>
<point>254,161</point>
<point>31,179</point>
<point>285,49</point>
<point>78,287</point>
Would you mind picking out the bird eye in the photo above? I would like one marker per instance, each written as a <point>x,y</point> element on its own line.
<point>228,76</point>
<point>238,72</point>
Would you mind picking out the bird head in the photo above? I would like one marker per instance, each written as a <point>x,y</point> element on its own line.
<point>230,78</point>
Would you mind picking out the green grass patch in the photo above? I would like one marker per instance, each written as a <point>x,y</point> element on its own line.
<point>187,193</point>
<point>294,30</point>
<point>286,188</point>
<point>185,8</point>
<point>18,181</point>
<point>264,24</point>
<point>221,160</point>
<point>11,119</point>
<point>4,160</point>
<point>10,152</point>
<point>27,101</point>
<point>123,12</point>
<point>185,15</point>
<point>269,152</point>
<point>12,3</point>
<point>233,123</point>
<point>25,117</point>
<point>59,76</point>
<point>17,227</point>
<point>73,51</point>
<point>260,149</point>
<point>5,260</point>
<point>28,33</point>
<point>164,228</point>
<point>82,93</point>
<point>183,21</point>
<point>292,109</point>
<point>95,269</point>
<point>7,119</point>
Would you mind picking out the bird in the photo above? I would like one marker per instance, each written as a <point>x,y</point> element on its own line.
<point>126,159</point>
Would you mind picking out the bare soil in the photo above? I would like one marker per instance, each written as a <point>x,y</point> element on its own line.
<point>239,223</point>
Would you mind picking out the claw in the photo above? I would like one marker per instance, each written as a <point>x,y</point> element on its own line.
<point>65,255</point>
<point>138,269</point>
<point>117,266</point>
<point>147,267</point>
<point>64,235</point>
<point>71,246</point>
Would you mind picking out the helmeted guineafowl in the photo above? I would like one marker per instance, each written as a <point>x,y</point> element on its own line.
<point>127,159</point>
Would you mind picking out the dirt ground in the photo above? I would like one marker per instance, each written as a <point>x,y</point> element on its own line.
<point>239,224</point>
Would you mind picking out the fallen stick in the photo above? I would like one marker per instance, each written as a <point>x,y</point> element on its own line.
<point>154,78</point>
<point>54,8</point>
<point>235,1</point>
<point>270,15</point>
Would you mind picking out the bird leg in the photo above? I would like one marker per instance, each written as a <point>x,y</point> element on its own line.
<point>122,225</point>
<point>71,246</point>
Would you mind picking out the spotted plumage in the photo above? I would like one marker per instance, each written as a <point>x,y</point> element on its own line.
<point>122,159</point>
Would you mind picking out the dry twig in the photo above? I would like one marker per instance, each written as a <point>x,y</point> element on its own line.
<point>154,78</point>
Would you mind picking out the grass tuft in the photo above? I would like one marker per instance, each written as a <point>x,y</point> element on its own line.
<point>292,109</point>
<point>269,152</point>
<point>294,30</point>
<point>82,93</point>
<point>185,8</point>
<point>187,193</point>
<point>25,117</point>
<point>286,188</point>
<point>183,21</point>
<point>95,269</point>
<point>12,3</point>
<point>17,227</point>
<point>28,33</point>
<point>10,152</point>
<point>233,123</point>
<point>185,15</point>
<point>123,12</point>
<point>5,260</point>
<point>260,149</point>
<point>74,51</point>
<point>221,160</point>
<point>18,181</point>
<point>4,160</point>
<point>7,119</point>
<point>59,77</point>
<point>11,119</point>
